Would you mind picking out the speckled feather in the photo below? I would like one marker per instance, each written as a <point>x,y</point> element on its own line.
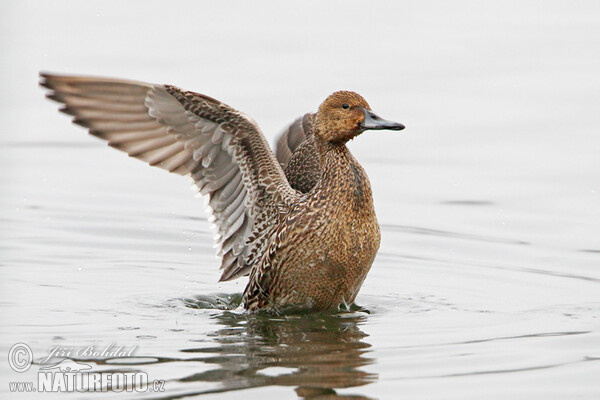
<point>298,154</point>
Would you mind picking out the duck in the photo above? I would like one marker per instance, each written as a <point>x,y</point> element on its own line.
<point>299,221</point>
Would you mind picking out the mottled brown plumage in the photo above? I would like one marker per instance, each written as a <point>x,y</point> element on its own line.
<point>298,154</point>
<point>306,236</point>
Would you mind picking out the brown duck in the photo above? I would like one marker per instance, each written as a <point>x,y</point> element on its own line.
<point>301,224</point>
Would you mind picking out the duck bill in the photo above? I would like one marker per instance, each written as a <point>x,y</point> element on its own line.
<point>374,121</point>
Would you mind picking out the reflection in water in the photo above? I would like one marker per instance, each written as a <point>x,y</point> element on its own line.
<point>317,353</point>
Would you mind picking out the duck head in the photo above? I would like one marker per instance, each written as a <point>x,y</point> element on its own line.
<point>344,115</point>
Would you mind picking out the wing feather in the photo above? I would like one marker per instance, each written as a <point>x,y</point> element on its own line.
<point>188,133</point>
<point>295,134</point>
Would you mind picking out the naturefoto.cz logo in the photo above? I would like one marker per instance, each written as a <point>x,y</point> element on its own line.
<point>69,375</point>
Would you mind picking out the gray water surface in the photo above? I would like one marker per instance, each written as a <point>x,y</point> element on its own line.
<point>487,283</point>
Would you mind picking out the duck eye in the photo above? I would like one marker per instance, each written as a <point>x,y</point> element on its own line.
<point>345,106</point>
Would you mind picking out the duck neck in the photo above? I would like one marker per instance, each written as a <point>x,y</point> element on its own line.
<point>342,173</point>
<point>332,156</point>
<point>330,151</point>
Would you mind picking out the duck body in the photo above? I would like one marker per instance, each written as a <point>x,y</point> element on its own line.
<point>325,245</point>
<point>300,223</point>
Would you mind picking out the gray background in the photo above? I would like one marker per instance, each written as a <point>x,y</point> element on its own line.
<point>486,284</point>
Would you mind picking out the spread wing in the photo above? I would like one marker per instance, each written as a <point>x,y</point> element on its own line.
<point>295,134</point>
<point>188,133</point>
<point>298,154</point>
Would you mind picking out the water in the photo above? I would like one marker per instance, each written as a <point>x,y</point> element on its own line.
<point>487,284</point>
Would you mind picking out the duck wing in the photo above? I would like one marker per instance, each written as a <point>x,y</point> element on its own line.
<point>292,137</point>
<point>298,155</point>
<point>221,149</point>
